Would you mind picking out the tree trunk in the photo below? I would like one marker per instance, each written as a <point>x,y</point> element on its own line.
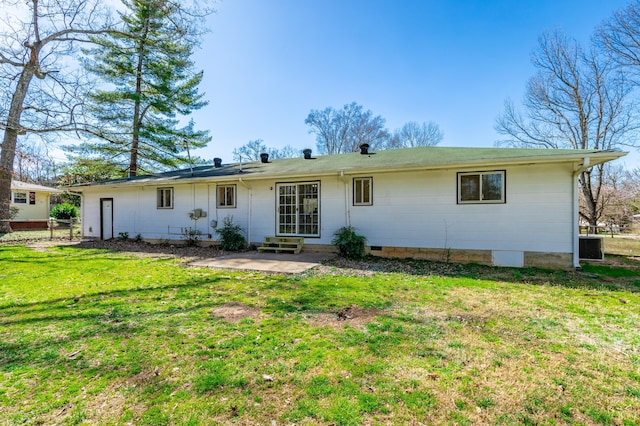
<point>591,213</point>
<point>137,114</point>
<point>10,141</point>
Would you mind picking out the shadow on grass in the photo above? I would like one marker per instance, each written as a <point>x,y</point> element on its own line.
<point>67,302</point>
<point>118,312</point>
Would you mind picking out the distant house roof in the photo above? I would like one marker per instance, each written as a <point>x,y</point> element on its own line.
<point>16,185</point>
<point>421,158</point>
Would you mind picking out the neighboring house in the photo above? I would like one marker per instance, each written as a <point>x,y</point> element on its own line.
<point>32,202</point>
<point>500,206</point>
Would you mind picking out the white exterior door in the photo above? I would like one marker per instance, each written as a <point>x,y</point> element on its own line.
<point>298,209</point>
<point>106,218</point>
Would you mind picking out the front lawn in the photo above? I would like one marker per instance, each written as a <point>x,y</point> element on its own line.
<point>99,337</point>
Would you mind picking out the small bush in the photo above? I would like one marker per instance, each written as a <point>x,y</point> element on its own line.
<point>64,211</point>
<point>191,236</point>
<point>230,235</point>
<point>349,243</point>
<point>123,236</point>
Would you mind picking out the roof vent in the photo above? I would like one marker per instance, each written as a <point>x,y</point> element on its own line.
<point>217,162</point>
<point>264,157</point>
<point>364,149</point>
<point>307,154</point>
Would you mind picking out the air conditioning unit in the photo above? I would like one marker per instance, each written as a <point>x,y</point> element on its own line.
<point>591,248</point>
<point>197,214</point>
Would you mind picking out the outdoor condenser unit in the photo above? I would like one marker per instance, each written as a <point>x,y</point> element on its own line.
<point>591,248</point>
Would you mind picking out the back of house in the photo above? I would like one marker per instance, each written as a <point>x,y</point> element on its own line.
<point>497,206</point>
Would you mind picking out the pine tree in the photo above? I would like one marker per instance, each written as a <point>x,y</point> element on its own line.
<point>150,85</point>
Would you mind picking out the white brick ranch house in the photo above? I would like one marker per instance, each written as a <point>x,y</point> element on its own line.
<point>498,206</point>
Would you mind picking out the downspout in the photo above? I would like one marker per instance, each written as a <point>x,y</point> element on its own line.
<point>347,209</point>
<point>250,210</point>
<point>193,205</point>
<point>210,234</point>
<point>576,211</point>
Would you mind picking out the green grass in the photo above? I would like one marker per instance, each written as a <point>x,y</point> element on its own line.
<point>97,337</point>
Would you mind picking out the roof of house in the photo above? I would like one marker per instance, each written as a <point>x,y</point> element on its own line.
<point>421,158</point>
<point>17,185</point>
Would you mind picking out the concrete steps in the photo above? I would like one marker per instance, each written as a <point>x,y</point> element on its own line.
<point>282,245</point>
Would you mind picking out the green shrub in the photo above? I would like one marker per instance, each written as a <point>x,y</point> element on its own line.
<point>349,243</point>
<point>230,235</point>
<point>64,211</point>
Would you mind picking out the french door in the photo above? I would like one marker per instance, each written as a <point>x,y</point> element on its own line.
<point>298,209</point>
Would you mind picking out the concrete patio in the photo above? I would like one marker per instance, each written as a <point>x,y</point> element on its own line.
<point>265,262</point>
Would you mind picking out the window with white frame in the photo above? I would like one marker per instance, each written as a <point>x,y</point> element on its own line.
<point>481,187</point>
<point>363,191</point>
<point>226,196</point>
<point>164,198</point>
<point>20,198</point>
<point>32,198</point>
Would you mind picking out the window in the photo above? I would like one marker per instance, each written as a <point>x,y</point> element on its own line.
<point>226,196</point>
<point>362,191</point>
<point>481,187</point>
<point>32,198</point>
<point>20,197</point>
<point>165,198</point>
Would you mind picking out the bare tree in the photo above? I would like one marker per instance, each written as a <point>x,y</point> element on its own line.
<point>577,100</point>
<point>288,152</point>
<point>38,39</point>
<point>620,37</point>
<point>251,151</point>
<point>344,130</point>
<point>413,134</point>
<point>33,163</point>
<point>620,198</point>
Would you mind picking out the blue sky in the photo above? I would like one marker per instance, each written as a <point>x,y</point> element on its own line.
<point>268,63</point>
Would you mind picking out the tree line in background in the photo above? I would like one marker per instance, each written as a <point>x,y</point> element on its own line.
<point>123,81</point>
<point>343,130</point>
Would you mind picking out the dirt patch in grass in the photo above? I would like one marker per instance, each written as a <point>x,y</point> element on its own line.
<point>45,246</point>
<point>353,315</point>
<point>111,403</point>
<point>235,311</point>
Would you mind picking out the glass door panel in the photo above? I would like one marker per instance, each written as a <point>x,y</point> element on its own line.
<point>298,209</point>
<point>308,209</point>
